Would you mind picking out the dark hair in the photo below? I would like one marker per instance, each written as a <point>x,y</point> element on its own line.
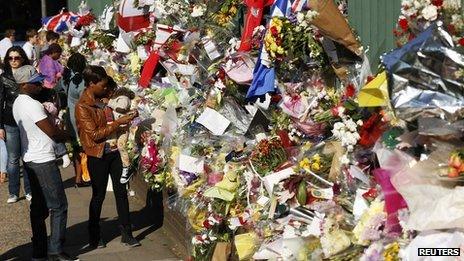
<point>123,92</point>
<point>30,34</point>
<point>94,74</point>
<point>111,85</point>
<point>53,48</point>
<point>6,64</point>
<point>76,63</point>
<point>10,32</point>
<point>52,36</point>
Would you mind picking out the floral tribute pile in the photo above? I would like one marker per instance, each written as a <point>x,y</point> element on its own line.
<point>264,122</point>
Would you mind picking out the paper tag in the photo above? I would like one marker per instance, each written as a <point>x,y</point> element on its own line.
<point>322,193</point>
<point>234,223</point>
<point>213,121</point>
<point>191,164</point>
<point>263,201</point>
<point>260,136</point>
<point>360,203</point>
<point>211,49</point>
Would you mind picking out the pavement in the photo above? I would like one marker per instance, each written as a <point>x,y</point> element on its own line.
<point>15,229</point>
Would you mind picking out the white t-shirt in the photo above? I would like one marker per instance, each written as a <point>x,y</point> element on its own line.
<point>5,44</point>
<point>36,146</point>
<point>29,50</point>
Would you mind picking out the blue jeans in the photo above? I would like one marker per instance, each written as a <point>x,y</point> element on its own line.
<point>48,197</point>
<point>13,147</point>
<point>3,157</point>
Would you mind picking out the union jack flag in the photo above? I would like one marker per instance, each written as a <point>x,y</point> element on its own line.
<point>59,23</point>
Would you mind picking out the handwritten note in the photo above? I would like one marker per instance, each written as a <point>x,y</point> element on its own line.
<point>191,164</point>
<point>213,121</point>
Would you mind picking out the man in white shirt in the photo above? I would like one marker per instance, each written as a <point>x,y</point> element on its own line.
<point>48,195</point>
<point>7,42</point>
<point>32,37</point>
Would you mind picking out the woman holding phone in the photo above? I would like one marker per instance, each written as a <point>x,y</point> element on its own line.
<point>103,160</point>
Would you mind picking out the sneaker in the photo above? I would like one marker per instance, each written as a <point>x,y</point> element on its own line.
<point>62,257</point>
<point>12,199</point>
<point>66,161</point>
<point>29,197</point>
<point>125,176</point>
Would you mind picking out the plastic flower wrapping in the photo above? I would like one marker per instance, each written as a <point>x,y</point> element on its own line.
<point>263,120</point>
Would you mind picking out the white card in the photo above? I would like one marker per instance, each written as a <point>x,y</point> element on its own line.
<point>272,179</point>
<point>213,121</point>
<point>360,204</point>
<point>211,49</point>
<point>190,164</point>
<point>263,201</point>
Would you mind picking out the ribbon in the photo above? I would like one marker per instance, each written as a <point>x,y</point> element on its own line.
<point>149,69</point>
<point>253,19</point>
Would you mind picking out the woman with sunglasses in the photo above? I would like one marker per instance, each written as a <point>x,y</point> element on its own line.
<point>15,58</point>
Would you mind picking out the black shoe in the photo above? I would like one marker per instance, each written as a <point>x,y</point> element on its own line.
<point>127,238</point>
<point>62,257</point>
<point>82,184</point>
<point>97,244</point>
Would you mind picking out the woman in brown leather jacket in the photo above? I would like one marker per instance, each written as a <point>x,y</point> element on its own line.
<point>102,159</point>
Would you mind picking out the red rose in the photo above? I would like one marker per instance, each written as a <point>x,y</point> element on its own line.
<point>274,31</point>
<point>350,90</point>
<point>461,42</point>
<point>437,3</point>
<point>403,23</point>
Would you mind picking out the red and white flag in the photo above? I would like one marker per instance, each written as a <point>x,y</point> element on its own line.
<point>131,18</point>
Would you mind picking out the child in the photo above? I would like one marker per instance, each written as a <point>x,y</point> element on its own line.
<point>60,148</point>
<point>3,161</point>
<point>120,104</point>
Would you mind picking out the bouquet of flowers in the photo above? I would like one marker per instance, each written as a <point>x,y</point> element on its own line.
<point>153,165</point>
<point>268,155</point>
<point>416,16</point>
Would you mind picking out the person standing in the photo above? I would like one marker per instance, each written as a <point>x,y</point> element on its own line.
<point>51,38</point>
<point>29,47</point>
<point>9,131</point>
<point>48,196</point>
<point>50,66</point>
<point>7,42</point>
<point>73,85</point>
<point>102,159</point>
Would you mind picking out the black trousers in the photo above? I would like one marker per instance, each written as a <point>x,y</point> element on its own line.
<point>99,170</point>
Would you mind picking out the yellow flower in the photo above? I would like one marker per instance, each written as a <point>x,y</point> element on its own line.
<point>316,157</point>
<point>274,47</point>
<point>315,166</point>
<point>233,10</point>
<point>305,163</point>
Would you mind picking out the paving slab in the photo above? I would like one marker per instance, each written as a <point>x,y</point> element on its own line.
<point>15,230</point>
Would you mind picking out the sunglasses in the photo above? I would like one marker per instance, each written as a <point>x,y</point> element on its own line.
<point>15,58</point>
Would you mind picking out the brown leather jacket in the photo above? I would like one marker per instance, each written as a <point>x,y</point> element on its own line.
<point>92,126</point>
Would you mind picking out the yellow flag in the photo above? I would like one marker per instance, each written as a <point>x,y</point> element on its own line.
<point>375,93</point>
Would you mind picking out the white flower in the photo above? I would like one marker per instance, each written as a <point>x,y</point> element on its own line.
<point>198,11</point>
<point>351,125</point>
<point>304,24</point>
<point>344,160</point>
<point>310,15</point>
<point>360,123</point>
<point>300,17</point>
<point>430,13</point>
